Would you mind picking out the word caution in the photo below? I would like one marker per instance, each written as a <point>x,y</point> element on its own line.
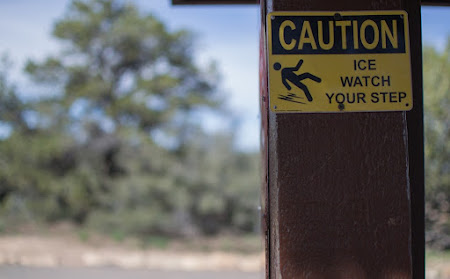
<point>338,34</point>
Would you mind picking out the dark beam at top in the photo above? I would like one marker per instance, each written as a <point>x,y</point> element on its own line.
<point>435,2</point>
<point>234,2</point>
<point>213,2</point>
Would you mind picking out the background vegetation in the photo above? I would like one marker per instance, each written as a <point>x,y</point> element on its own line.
<point>436,67</point>
<point>114,141</point>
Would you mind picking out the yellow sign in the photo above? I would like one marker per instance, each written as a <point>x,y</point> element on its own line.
<point>339,62</point>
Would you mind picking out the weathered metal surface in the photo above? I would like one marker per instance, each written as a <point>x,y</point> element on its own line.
<point>338,184</point>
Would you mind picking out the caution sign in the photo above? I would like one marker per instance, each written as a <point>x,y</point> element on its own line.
<point>339,62</point>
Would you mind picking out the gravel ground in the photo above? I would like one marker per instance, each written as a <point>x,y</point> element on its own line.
<point>63,256</point>
<point>42,251</point>
<point>18,272</point>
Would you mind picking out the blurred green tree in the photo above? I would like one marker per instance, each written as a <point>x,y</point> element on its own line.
<point>116,142</point>
<point>121,73</point>
<point>436,70</point>
<point>120,69</point>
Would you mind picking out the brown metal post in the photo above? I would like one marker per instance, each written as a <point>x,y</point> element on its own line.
<point>344,191</point>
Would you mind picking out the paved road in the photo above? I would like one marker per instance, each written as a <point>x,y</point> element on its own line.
<point>18,272</point>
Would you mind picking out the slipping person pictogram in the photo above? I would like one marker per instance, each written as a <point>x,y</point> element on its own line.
<point>288,74</point>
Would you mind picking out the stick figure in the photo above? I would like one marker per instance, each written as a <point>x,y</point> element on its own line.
<point>288,74</point>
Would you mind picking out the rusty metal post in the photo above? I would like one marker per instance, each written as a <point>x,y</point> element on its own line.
<point>343,192</point>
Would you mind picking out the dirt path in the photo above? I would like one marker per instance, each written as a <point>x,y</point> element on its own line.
<point>41,251</point>
<point>58,254</point>
<point>16,272</point>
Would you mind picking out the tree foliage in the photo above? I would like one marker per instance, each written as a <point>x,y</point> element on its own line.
<point>124,67</point>
<point>437,145</point>
<point>87,151</point>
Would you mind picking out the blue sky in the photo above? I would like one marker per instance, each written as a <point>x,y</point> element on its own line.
<point>226,34</point>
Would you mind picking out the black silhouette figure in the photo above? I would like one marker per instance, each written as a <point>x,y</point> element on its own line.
<point>288,74</point>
